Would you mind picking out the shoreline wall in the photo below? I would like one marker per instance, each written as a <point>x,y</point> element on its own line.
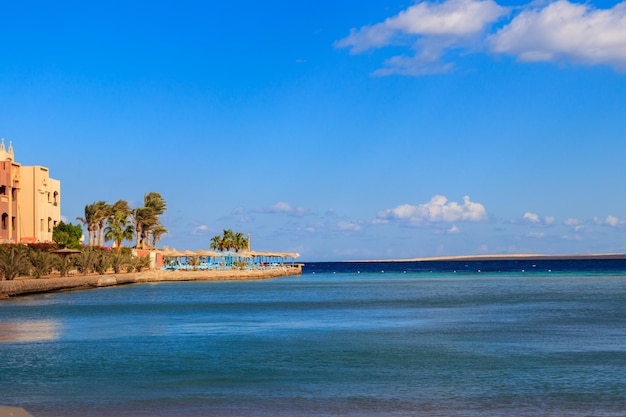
<point>44,285</point>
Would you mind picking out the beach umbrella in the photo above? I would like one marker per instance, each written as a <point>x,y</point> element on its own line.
<point>175,253</point>
<point>65,251</point>
<point>209,253</point>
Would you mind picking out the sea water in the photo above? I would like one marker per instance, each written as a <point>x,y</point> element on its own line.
<point>343,339</point>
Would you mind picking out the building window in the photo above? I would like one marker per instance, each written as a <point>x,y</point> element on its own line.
<point>5,218</point>
<point>49,224</point>
<point>41,225</point>
<point>3,190</point>
<point>56,198</point>
<point>49,199</point>
<point>14,193</point>
<point>13,223</point>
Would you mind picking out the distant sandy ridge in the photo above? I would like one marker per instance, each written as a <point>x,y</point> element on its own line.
<point>504,257</point>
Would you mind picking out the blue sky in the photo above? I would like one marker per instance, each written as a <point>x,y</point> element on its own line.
<point>339,130</point>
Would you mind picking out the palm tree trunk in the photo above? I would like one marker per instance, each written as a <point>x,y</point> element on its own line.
<point>137,241</point>
<point>101,235</point>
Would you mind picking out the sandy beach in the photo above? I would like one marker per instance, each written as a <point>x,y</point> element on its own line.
<point>23,286</point>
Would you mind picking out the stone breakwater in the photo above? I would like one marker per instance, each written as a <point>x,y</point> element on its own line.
<point>43,285</point>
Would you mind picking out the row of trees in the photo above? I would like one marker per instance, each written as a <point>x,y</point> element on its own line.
<point>117,222</point>
<point>230,240</point>
<point>23,260</point>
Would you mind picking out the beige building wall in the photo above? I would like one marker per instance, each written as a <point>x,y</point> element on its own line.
<point>39,205</point>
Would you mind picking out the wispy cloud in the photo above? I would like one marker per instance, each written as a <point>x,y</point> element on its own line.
<point>558,32</point>
<point>571,221</point>
<point>577,225</point>
<point>438,209</point>
<point>535,219</point>
<point>430,28</point>
<point>349,226</point>
<point>286,208</point>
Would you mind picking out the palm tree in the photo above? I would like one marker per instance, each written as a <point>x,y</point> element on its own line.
<point>85,260</point>
<point>239,242</point>
<point>64,263</point>
<point>118,230</point>
<point>42,262</point>
<point>217,243</point>
<point>14,261</point>
<point>144,218</point>
<point>89,222</point>
<point>228,239</point>
<point>121,206</point>
<point>102,212</point>
<point>155,202</point>
<point>158,231</point>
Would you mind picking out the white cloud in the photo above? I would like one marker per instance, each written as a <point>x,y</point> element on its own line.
<point>573,222</point>
<point>454,230</point>
<point>531,217</point>
<point>576,224</point>
<point>558,32</point>
<point>282,207</point>
<point>536,235</point>
<point>432,27</point>
<point>609,221</point>
<point>349,226</point>
<point>438,209</point>
<point>452,18</point>
<point>535,219</point>
<point>200,230</point>
<point>566,32</point>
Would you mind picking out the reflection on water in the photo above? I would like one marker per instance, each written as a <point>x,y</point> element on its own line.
<point>29,331</point>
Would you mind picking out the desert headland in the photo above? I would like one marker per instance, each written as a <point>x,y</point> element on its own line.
<point>505,257</point>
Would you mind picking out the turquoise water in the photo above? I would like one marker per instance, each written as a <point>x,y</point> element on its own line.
<point>323,344</point>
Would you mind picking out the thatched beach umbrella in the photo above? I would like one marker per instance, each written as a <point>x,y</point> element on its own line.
<point>175,253</point>
<point>66,264</point>
<point>65,251</point>
<point>208,253</point>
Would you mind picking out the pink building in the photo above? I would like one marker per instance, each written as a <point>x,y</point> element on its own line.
<point>29,200</point>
